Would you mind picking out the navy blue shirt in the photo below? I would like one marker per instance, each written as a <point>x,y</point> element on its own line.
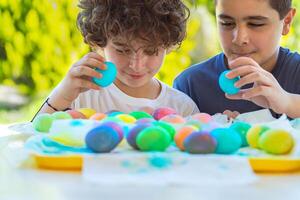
<point>200,82</point>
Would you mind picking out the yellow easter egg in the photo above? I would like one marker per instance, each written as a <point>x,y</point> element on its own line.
<point>88,112</point>
<point>67,139</point>
<point>276,141</point>
<point>253,135</point>
<point>126,118</point>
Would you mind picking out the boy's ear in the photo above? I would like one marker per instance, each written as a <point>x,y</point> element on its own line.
<point>287,21</point>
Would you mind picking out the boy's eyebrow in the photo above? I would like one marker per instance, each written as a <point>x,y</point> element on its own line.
<point>119,44</point>
<point>223,16</point>
<point>258,17</point>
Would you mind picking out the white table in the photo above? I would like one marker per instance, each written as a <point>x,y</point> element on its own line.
<point>28,183</point>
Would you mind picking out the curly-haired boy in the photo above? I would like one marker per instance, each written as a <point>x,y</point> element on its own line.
<point>135,35</point>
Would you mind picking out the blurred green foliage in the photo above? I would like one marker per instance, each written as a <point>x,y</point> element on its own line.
<point>39,41</point>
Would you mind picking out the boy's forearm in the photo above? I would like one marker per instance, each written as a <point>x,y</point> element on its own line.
<point>55,102</point>
<point>294,106</point>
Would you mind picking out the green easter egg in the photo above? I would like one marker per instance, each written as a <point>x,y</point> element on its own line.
<point>242,128</point>
<point>61,115</point>
<point>167,126</point>
<point>140,115</point>
<point>42,122</point>
<point>153,139</point>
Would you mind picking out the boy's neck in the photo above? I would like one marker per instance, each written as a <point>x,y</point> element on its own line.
<point>151,90</point>
<point>270,64</point>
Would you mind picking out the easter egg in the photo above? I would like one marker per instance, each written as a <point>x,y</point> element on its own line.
<point>200,142</point>
<point>113,113</point>
<point>61,115</point>
<point>132,134</point>
<point>76,114</point>
<point>42,122</point>
<point>140,115</point>
<point>174,119</point>
<point>227,85</point>
<point>242,129</point>
<point>111,119</point>
<point>161,112</point>
<point>87,112</point>
<point>126,118</point>
<point>153,139</point>
<point>102,139</point>
<point>98,116</point>
<point>181,134</point>
<point>228,140</point>
<point>202,117</point>
<point>195,123</point>
<point>108,75</point>
<point>254,133</point>
<point>168,127</point>
<point>117,127</point>
<point>276,141</point>
<point>144,120</point>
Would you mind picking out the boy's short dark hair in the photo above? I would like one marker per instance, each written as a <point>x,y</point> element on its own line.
<point>281,6</point>
<point>160,23</point>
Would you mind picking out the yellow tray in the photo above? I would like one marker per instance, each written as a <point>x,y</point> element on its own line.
<point>75,162</point>
<point>72,162</point>
<point>273,164</point>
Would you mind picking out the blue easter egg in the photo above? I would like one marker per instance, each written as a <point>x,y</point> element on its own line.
<point>108,75</point>
<point>102,139</point>
<point>228,140</point>
<point>227,85</point>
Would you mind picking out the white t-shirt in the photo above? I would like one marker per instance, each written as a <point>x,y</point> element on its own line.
<point>112,98</point>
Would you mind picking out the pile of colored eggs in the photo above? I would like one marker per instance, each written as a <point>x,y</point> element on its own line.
<point>155,129</point>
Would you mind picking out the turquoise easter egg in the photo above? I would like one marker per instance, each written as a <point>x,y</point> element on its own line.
<point>108,75</point>
<point>227,85</point>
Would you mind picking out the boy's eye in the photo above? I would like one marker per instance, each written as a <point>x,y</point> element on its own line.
<point>123,51</point>
<point>256,24</point>
<point>150,52</point>
<point>227,24</point>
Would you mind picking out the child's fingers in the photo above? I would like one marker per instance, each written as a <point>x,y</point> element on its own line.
<point>230,114</point>
<point>95,56</point>
<point>82,70</point>
<point>92,62</point>
<point>241,61</point>
<point>254,77</point>
<point>256,91</point>
<point>240,71</point>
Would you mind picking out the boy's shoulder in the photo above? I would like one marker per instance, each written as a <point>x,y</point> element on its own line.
<point>289,56</point>
<point>211,66</point>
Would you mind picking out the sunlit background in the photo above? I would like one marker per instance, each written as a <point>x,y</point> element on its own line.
<point>39,41</point>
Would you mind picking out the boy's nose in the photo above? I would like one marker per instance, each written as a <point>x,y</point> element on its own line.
<point>240,36</point>
<point>137,61</point>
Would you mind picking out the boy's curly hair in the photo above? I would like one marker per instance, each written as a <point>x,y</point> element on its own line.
<point>160,23</point>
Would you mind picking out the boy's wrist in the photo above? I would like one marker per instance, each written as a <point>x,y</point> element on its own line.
<point>293,106</point>
<point>58,102</point>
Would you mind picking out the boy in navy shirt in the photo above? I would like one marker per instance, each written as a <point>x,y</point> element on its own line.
<point>250,32</point>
